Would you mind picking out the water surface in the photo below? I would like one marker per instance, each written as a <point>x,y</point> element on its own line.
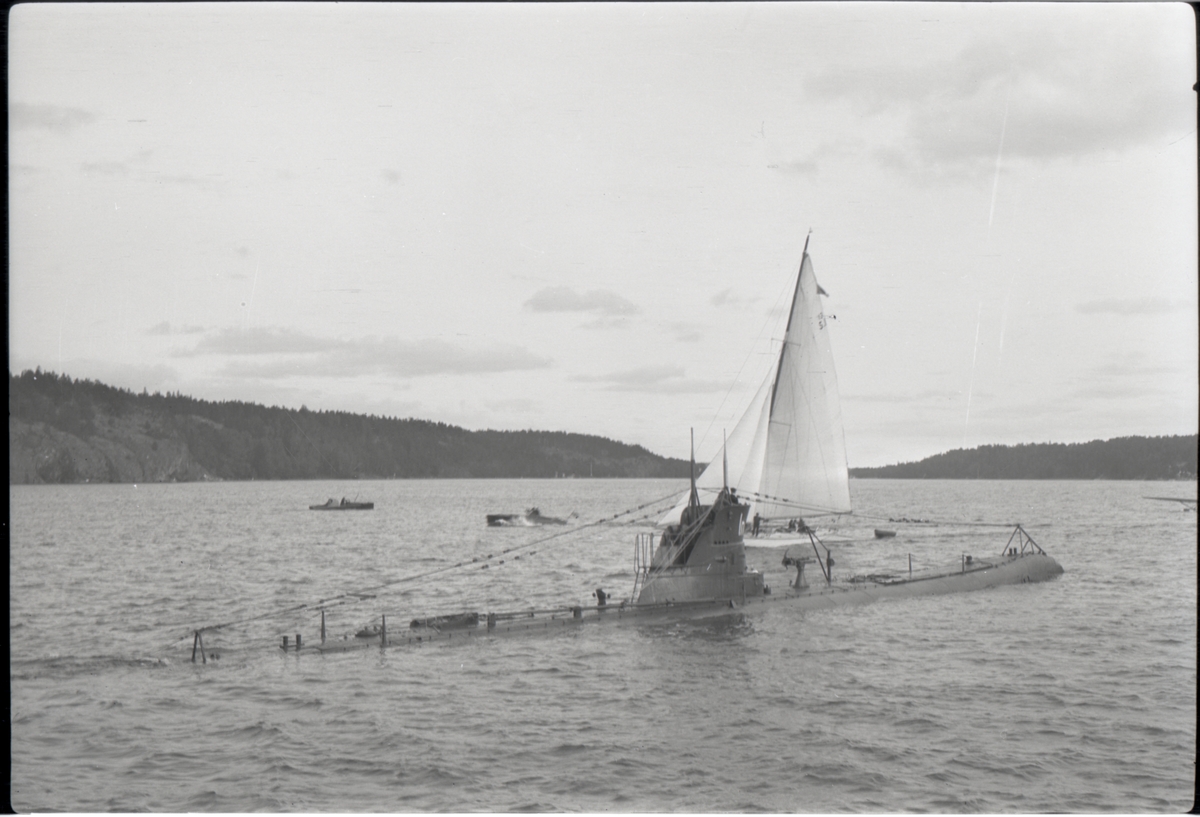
<point>1076,695</point>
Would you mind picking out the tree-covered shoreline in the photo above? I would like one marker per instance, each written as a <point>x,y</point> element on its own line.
<point>1122,458</point>
<point>65,431</point>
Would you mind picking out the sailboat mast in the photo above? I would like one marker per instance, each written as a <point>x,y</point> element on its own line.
<point>725,461</point>
<point>694,498</point>
<point>791,312</point>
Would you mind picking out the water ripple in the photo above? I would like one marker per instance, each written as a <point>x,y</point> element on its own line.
<point>1076,695</point>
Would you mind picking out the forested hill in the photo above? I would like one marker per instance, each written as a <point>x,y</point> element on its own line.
<point>64,430</point>
<point>1120,458</point>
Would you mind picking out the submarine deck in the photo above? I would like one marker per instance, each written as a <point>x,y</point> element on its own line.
<point>981,574</point>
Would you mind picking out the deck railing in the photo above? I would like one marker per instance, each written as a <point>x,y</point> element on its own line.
<point>1024,541</point>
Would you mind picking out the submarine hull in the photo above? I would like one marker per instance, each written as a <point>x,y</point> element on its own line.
<point>980,575</point>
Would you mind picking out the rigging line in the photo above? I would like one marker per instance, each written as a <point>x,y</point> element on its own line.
<point>484,562</point>
<point>935,522</point>
<point>778,500</point>
<point>365,592</point>
<point>682,539</point>
<point>352,598</point>
<point>668,503</point>
<point>949,523</point>
<point>644,518</point>
<point>860,515</point>
<point>687,532</point>
<point>750,354</point>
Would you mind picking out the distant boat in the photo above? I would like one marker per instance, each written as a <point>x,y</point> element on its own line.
<point>884,534</point>
<point>531,518</point>
<point>344,505</point>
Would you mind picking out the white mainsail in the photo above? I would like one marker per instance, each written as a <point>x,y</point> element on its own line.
<point>787,454</point>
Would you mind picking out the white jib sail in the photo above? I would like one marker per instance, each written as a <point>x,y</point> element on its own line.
<point>787,453</point>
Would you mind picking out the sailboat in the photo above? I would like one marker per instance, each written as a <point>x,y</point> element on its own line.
<point>786,456</point>
<point>784,459</point>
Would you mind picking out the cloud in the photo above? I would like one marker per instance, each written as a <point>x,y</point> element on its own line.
<point>1131,366</point>
<point>274,353</point>
<point>1112,390</point>
<point>165,328</point>
<point>1130,306</point>
<point>106,168</point>
<point>728,297</point>
<point>667,379</point>
<point>260,341</point>
<point>923,397</point>
<point>565,299</point>
<point>22,115</point>
<point>1130,392</point>
<point>139,168</point>
<point>1036,95</point>
<point>184,179</point>
<point>605,322</point>
<point>722,297</point>
<point>797,167</point>
<point>518,405</point>
<point>289,395</point>
<point>685,332</point>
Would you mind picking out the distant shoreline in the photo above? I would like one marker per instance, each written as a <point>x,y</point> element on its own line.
<point>1121,458</point>
<point>65,431</point>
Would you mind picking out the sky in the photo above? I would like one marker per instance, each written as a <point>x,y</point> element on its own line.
<point>589,217</point>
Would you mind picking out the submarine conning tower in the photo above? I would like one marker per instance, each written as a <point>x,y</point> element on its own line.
<point>701,558</point>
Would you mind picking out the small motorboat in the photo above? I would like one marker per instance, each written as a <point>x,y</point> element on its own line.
<point>531,518</point>
<point>884,534</point>
<point>344,505</point>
